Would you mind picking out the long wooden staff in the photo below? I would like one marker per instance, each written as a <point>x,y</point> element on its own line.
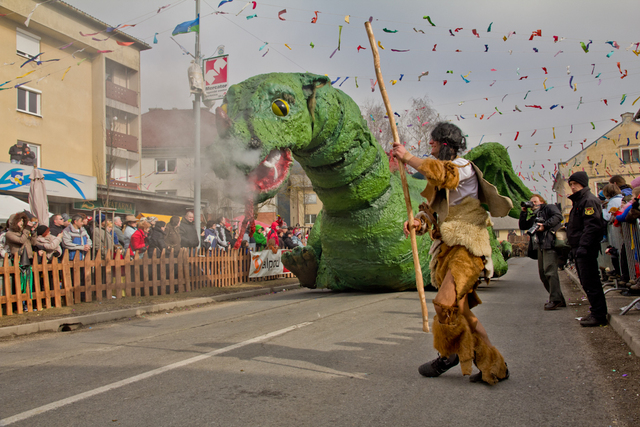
<point>403,178</point>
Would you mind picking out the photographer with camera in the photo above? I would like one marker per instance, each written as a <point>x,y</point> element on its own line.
<point>542,224</point>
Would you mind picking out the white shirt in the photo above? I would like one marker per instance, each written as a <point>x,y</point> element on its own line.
<point>468,185</point>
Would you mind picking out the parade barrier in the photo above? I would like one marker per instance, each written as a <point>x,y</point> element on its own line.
<point>63,282</point>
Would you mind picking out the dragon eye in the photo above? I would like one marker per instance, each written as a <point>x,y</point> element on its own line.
<point>223,107</point>
<point>280,107</point>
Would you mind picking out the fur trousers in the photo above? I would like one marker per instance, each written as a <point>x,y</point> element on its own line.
<point>454,336</point>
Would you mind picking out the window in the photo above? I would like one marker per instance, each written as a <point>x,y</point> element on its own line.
<point>165,165</point>
<point>310,199</point>
<point>27,44</point>
<point>29,100</point>
<point>630,156</point>
<point>310,218</point>
<point>167,192</point>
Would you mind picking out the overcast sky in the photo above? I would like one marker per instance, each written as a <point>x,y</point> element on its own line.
<point>519,68</point>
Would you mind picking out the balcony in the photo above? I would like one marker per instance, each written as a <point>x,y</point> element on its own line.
<point>122,94</point>
<point>123,184</point>
<point>121,140</point>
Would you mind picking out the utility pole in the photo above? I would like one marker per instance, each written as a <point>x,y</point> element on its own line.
<point>196,157</point>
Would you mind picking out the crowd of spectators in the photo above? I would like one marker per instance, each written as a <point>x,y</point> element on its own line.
<point>23,238</point>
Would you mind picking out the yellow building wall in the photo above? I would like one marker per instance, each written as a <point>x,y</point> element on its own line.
<point>71,129</point>
<point>65,126</point>
<point>601,160</point>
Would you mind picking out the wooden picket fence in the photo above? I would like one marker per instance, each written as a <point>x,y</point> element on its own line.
<point>63,282</point>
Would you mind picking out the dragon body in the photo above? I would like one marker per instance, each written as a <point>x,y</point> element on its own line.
<point>357,241</point>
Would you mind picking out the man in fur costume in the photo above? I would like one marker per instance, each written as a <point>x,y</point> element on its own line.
<point>461,253</point>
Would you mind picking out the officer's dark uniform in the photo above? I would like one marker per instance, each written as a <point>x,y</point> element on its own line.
<point>584,234</point>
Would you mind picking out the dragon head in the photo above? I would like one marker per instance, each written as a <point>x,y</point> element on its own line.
<point>260,121</point>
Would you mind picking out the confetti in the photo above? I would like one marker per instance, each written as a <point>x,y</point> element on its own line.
<point>386,30</point>
<point>428,18</point>
<point>282,12</point>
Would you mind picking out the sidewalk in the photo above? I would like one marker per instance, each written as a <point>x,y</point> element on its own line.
<point>627,326</point>
<point>78,315</point>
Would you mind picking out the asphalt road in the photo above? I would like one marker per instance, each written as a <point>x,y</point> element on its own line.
<point>306,358</point>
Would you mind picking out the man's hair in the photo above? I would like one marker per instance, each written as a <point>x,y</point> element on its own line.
<point>117,218</point>
<point>544,202</point>
<point>610,190</point>
<point>76,217</point>
<point>57,216</point>
<point>451,140</point>
<point>174,221</point>
<point>617,180</point>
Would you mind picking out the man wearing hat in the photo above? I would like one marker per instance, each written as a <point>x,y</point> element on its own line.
<point>584,234</point>
<point>130,228</point>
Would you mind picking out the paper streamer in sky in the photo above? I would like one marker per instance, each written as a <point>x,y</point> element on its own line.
<point>400,50</point>
<point>223,2</point>
<point>489,29</point>
<point>475,33</point>
<point>340,36</point>
<point>65,72</point>
<point>386,30</point>
<point>31,59</point>
<point>586,47</point>
<point>346,19</point>
<point>282,12</point>
<point>315,19</point>
<point>252,16</point>
<point>465,80</point>
<point>65,46</point>
<point>24,75</point>
<point>263,46</point>
<point>428,18</point>
<point>26,23</point>
<point>334,52</point>
<point>155,38</point>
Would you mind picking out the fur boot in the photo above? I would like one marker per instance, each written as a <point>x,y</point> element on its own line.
<point>454,337</point>
<point>489,360</point>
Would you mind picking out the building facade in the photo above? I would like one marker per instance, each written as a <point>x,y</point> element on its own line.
<point>72,94</point>
<point>614,153</point>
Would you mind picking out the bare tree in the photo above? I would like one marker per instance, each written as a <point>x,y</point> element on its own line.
<point>414,125</point>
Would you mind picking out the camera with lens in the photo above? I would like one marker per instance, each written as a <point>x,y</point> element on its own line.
<point>536,226</point>
<point>529,205</point>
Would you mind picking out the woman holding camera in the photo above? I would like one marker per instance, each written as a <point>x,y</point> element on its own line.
<point>542,224</point>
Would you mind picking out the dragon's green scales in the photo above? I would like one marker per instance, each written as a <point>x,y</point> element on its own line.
<point>357,241</point>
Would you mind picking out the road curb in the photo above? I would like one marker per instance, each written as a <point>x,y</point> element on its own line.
<point>70,323</point>
<point>629,334</point>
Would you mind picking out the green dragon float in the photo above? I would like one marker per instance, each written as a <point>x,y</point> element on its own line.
<point>357,242</point>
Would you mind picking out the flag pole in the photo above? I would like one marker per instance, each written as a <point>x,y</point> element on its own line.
<point>196,156</point>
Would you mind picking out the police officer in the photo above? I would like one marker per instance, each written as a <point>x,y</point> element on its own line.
<point>547,218</point>
<point>584,233</point>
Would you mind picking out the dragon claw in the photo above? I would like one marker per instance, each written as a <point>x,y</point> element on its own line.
<point>302,262</point>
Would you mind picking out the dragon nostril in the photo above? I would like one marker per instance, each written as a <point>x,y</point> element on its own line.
<point>255,143</point>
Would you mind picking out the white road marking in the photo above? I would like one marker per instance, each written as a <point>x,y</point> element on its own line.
<point>140,377</point>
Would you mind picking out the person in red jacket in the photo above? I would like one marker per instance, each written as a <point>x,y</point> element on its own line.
<point>140,239</point>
